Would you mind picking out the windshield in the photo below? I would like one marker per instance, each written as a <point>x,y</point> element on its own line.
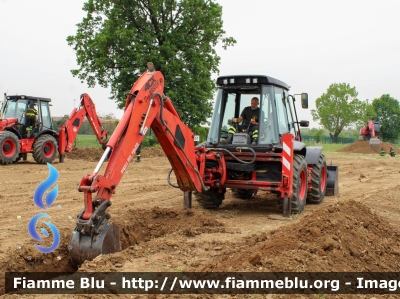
<point>231,103</point>
<point>14,108</point>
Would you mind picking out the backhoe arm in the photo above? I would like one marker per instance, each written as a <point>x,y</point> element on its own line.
<point>146,107</point>
<point>69,130</point>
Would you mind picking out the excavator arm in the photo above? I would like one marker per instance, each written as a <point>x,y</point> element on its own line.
<point>69,130</point>
<point>146,107</point>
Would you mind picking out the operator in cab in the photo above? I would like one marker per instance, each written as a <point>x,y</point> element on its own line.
<point>31,117</point>
<point>250,117</point>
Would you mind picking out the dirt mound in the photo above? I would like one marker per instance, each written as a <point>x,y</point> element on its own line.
<point>152,152</point>
<point>85,153</point>
<point>94,154</point>
<point>343,237</point>
<point>146,225</point>
<point>362,147</point>
<point>143,226</point>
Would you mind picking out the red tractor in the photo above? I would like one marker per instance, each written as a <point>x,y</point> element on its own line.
<point>371,133</point>
<point>42,141</point>
<point>276,162</point>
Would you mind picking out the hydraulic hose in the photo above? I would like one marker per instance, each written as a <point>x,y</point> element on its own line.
<point>169,179</point>
<point>204,187</point>
<point>236,158</point>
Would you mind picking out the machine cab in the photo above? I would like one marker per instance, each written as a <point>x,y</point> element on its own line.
<point>277,115</point>
<point>15,107</point>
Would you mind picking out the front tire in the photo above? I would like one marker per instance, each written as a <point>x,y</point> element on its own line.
<point>9,147</point>
<point>209,199</point>
<point>318,182</point>
<point>300,182</point>
<point>242,193</point>
<point>45,149</point>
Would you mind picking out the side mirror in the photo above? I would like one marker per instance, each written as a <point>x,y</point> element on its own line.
<point>304,123</point>
<point>304,100</point>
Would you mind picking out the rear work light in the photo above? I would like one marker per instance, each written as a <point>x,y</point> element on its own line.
<point>285,182</point>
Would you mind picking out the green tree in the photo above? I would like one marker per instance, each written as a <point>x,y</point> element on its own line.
<point>58,123</point>
<point>318,134</point>
<point>202,132</point>
<point>370,112</point>
<point>338,108</point>
<point>388,113</point>
<point>117,38</point>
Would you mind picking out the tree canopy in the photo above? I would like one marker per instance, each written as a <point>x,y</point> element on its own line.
<point>339,108</point>
<point>117,38</point>
<point>387,111</point>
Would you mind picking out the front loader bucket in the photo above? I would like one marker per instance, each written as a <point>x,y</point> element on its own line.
<point>375,144</point>
<point>332,180</point>
<point>85,247</point>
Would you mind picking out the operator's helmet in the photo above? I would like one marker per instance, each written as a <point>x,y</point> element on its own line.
<point>32,105</point>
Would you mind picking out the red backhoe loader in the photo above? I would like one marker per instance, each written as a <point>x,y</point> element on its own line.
<point>371,133</point>
<point>42,141</point>
<point>279,162</point>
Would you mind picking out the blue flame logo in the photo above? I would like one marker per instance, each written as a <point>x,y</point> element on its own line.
<point>43,187</point>
<point>32,230</point>
<point>38,200</point>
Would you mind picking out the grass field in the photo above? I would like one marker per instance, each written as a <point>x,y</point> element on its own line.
<point>330,147</point>
<point>86,141</point>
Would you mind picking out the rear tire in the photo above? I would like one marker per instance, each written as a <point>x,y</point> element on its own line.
<point>242,193</point>
<point>300,182</point>
<point>9,147</point>
<point>318,182</point>
<point>45,149</point>
<point>209,199</point>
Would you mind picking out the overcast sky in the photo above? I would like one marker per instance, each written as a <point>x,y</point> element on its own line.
<point>307,44</point>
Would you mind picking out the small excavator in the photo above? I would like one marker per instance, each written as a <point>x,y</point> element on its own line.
<point>42,141</point>
<point>371,133</point>
<point>277,162</point>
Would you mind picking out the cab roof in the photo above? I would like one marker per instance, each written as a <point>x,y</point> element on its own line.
<point>17,97</point>
<point>249,80</point>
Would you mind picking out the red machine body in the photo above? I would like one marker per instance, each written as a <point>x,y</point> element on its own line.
<point>279,163</point>
<point>16,141</point>
<point>371,133</point>
<point>69,130</point>
<point>371,130</point>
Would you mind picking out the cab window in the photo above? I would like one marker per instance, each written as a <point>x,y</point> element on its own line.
<point>46,119</point>
<point>283,122</point>
<point>267,126</point>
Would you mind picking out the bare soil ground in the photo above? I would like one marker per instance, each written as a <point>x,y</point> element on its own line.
<point>356,231</point>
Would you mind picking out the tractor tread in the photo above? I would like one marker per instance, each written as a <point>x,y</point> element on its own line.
<point>242,193</point>
<point>297,204</point>
<point>38,149</point>
<point>9,137</point>
<point>209,199</point>
<point>316,193</point>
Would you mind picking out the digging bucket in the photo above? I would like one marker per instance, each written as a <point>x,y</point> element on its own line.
<point>375,144</point>
<point>84,247</point>
<point>94,236</point>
